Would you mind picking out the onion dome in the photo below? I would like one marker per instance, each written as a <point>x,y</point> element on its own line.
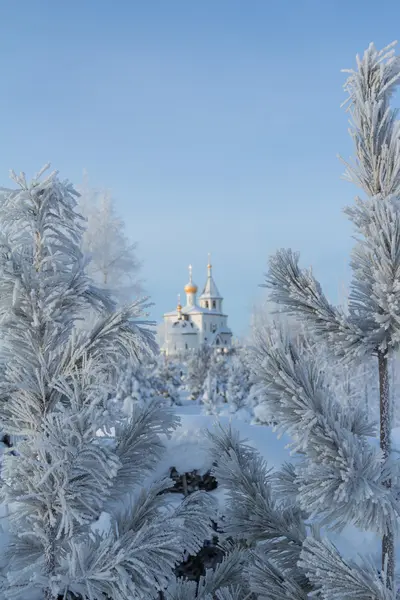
<point>179,306</point>
<point>190,288</point>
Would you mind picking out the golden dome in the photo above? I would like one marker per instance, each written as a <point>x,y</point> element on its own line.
<point>190,288</point>
<point>179,307</point>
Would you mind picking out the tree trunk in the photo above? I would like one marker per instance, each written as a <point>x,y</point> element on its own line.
<point>366,392</point>
<point>49,562</point>
<point>385,444</point>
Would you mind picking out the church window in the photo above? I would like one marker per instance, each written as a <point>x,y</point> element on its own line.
<point>186,346</point>
<point>206,303</point>
<point>214,304</point>
<point>217,342</point>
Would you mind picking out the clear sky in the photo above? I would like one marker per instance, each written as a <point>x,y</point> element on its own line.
<point>216,124</point>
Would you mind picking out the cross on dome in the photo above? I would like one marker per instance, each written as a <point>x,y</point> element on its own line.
<point>179,307</point>
<point>190,288</point>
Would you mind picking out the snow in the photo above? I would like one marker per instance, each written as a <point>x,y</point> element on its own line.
<point>396,439</point>
<point>187,449</point>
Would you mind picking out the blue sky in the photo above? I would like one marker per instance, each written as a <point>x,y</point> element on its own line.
<point>215,123</point>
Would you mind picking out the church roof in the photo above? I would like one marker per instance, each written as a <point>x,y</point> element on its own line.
<point>184,327</point>
<point>218,332</point>
<point>194,310</point>
<point>210,289</point>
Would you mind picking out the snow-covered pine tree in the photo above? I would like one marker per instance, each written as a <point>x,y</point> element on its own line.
<point>238,385</point>
<point>211,398</point>
<point>66,470</point>
<point>154,377</point>
<point>198,365</point>
<point>167,373</point>
<point>219,369</point>
<point>137,385</point>
<point>338,479</point>
<point>370,326</point>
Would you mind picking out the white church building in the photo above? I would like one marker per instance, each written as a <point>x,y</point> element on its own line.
<point>201,321</point>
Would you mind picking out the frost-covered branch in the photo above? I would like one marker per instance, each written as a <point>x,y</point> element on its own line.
<point>298,293</point>
<point>225,581</point>
<point>267,581</point>
<point>374,302</point>
<point>138,444</point>
<point>342,478</point>
<point>374,128</point>
<point>119,335</point>
<point>334,577</point>
<point>146,544</point>
<point>253,514</point>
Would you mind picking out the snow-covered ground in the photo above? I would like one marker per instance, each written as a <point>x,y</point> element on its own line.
<point>187,450</point>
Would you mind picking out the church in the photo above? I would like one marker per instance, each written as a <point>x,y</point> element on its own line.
<point>199,322</point>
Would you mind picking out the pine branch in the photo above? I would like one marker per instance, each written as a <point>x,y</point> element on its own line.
<point>375,290</point>
<point>268,581</point>
<point>374,128</point>
<point>252,513</point>
<point>138,445</point>
<point>341,479</point>
<point>297,293</point>
<point>115,337</point>
<point>225,582</point>
<point>335,578</point>
<point>134,564</point>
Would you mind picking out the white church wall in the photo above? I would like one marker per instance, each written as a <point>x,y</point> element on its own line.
<point>205,324</point>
